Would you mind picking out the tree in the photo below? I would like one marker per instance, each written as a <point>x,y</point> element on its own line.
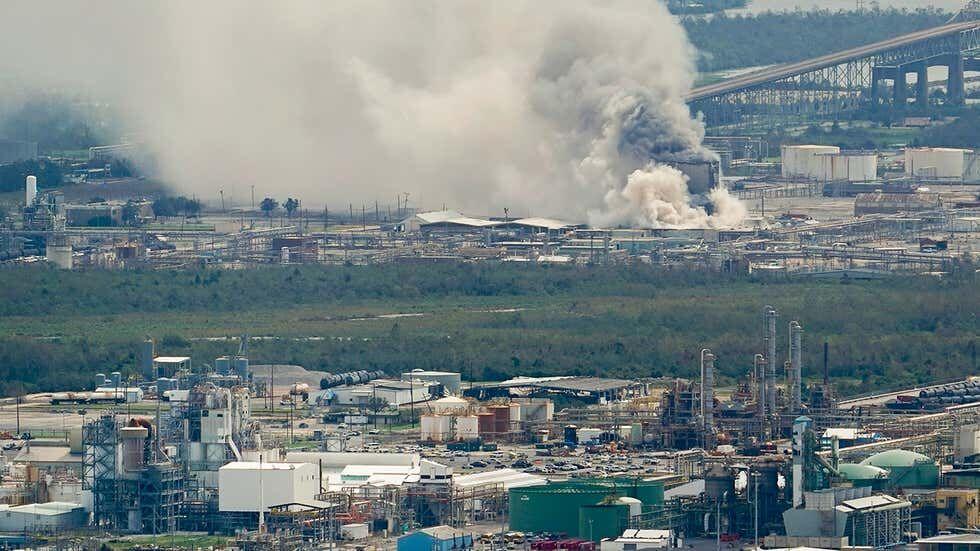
<point>268,205</point>
<point>130,213</point>
<point>291,205</point>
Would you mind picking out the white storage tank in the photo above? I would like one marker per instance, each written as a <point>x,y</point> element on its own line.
<point>942,163</point>
<point>847,166</point>
<point>467,427</point>
<point>30,190</point>
<point>434,427</point>
<point>801,161</point>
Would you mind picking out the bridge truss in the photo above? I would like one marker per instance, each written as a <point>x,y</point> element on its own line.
<point>830,87</point>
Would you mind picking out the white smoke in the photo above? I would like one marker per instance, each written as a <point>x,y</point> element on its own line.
<point>547,107</point>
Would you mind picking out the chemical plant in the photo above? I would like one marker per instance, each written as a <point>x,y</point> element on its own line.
<point>265,457</point>
<point>818,212</point>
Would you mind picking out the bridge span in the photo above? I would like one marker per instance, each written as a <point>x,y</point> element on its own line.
<point>825,87</point>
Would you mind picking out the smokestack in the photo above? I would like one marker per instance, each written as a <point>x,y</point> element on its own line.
<point>796,366</point>
<point>759,368</point>
<point>30,190</point>
<point>708,390</point>
<point>826,369</point>
<point>770,341</point>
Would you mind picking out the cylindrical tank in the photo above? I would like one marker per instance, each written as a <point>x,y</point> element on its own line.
<point>551,508</point>
<point>222,365</point>
<point>606,520</point>
<point>100,380</point>
<point>132,446</point>
<point>571,434</point>
<point>719,483</point>
<point>467,427</point>
<point>240,365</point>
<point>501,419</point>
<point>30,190</point>
<point>485,422</point>
<point>635,505</point>
<point>116,378</point>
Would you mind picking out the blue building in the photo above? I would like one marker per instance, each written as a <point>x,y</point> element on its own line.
<point>436,538</point>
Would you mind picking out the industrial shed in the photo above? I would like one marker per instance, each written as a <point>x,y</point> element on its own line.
<point>42,517</point>
<point>892,203</point>
<point>446,221</point>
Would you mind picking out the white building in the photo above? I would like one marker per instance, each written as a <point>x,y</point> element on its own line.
<point>53,516</point>
<point>395,393</point>
<point>638,540</point>
<point>449,380</point>
<point>246,486</point>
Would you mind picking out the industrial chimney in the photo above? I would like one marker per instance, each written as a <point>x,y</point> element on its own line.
<point>770,342</point>
<point>30,190</point>
<point>796,366</point>
<point>708,390</point>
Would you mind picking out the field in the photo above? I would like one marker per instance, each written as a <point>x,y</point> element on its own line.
<point>489,322</point>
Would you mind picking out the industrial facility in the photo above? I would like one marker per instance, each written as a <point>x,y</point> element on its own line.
<point>778,460</point>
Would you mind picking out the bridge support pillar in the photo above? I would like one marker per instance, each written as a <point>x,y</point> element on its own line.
<point>900,87</point>
<point>954,86</point>
<point>922,85</point>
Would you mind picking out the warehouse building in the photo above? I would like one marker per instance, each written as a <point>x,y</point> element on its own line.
<point>48,517</point>
<point>893,203</point>
<point>449,380</point>
<point>395,393</point>
<point>248,486</point>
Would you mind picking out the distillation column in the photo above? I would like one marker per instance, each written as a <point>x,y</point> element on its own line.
<point>770,342</point>
<point>796,367</point>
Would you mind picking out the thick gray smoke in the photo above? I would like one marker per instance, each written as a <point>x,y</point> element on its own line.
<point>546,107</point>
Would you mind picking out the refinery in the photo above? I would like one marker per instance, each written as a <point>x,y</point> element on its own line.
<point>272,459</point>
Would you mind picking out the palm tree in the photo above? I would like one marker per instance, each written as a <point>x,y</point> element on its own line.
<point>268,205</point>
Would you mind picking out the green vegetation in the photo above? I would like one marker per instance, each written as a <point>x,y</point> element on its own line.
<point>488,321</point>
<point>962,132</point>
<point>13,175</point>
<point>688,7</point>
<point>179,541</point>
<point>733,41</point>
<point>176,206</point>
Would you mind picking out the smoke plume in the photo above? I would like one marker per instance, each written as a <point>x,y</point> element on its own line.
<point>546,107</point>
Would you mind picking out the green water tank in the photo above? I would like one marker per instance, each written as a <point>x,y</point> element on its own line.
<point>650,492</point>
<point>604,520</point>
<point>864,475</point>
<point>552,507</point>
<point>906,469</point>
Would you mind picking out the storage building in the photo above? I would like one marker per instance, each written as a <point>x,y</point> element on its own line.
<point>244,485</point>
<point>53,516</point>
<point>436,538</point>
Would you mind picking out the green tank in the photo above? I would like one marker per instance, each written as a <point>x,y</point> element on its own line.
<point>649,492</point>
<point>605,520</point>
<point>552,507</point>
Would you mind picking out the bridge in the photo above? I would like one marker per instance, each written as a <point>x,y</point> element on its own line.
<point>826,87</point>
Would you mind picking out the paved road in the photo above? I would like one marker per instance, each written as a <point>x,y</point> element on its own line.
<point>790,69</point>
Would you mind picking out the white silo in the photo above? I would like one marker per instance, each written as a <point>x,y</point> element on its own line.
<point>30,190</point>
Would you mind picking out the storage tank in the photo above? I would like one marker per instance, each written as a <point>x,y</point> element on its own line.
<point>635,505</point>
<point>552,507</point>
<point>501,419</point>
<point>848,166</point>
<point>116,379</point>
<point>649,492</point>
<point>603,520</point>
<point>864,475</point>
<point>467,427</point>
<point>944,163</point>
<point>240,365</point>
<point>222,365</point>
<point>801,161</point>
<point>30,190</point>
<point>100,380</point>
<point>434,427</point>
<point>485,420</point>
<point>906,469</point>
<point>132,439</point>
<point>571,434</point>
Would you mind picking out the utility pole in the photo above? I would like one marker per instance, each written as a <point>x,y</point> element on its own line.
<point>253,196</point>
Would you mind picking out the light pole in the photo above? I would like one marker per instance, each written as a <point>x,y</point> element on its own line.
<point>724,497</point>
